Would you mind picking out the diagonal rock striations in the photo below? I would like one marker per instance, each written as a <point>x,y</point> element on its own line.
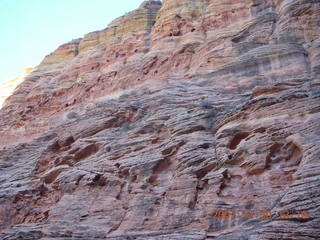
<point>175,111</point>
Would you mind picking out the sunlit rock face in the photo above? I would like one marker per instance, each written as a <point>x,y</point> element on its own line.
<point>174,111</point>
<point>8,87</point>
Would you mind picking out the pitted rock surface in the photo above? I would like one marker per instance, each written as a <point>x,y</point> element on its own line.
<point>141,130</point>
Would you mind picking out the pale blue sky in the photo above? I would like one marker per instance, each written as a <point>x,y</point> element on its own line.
<point>31,29</point>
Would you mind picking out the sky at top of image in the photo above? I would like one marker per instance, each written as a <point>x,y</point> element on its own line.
<point>32,29</point>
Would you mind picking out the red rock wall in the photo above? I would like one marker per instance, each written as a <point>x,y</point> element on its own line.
<point>144,129</point>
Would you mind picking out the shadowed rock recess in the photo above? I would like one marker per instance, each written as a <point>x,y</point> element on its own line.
<point>177,109</point>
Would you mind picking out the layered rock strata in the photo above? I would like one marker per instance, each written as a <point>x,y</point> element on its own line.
<point>8,87</point>
<point>179,108</point>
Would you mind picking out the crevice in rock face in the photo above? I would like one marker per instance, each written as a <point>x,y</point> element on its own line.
<point>204,171</point>
<point>164,170</point>
<point>52,174</point>
<point>98,180</point>
<point>260,130</point>
<point>54,147</point>
<point>161,172</point>
<point>86,152</point>
<point>237,139</point>
<point>69,141</point>
<point>194,201</point>
<point>172,149</point>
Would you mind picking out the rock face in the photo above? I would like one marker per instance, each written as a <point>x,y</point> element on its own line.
<point>7,87</point>
<point>179,109</point>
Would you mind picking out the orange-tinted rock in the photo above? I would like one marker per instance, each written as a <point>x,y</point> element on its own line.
<point>8,87</point>
<point>144,129</point>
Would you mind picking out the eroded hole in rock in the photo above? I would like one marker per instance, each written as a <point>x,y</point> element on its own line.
<point>152,179</point>
<point>63,161</point>
<point>296,154</point>
<point>172,149</point>
<point>283,155</point>
<point>98,180</point>
<point>162,166</point>
<point>167,151</point>
<point>68,141</point>
<point>274,155</point>
<point>237,139</point>
<point>86,152</point>
<point>260,130</point>
<point>134,178</point>
<point>124,173</point>
<point>205,146</point>
<point>155,140</point>
<point>108,149</point>
<point>178,33</point>
<point>54,146</point>
<point>162,172</point>
<point>147,130</point>
<point>50,176</point>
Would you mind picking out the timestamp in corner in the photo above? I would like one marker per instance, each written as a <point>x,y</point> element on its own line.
<point>264,214</point>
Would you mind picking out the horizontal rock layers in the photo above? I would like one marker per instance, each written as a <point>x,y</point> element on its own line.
<point>175,110</point>
<point>8,87</point>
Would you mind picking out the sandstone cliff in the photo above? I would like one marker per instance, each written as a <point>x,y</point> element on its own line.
<point>8,87</point>
<point>177,109</point>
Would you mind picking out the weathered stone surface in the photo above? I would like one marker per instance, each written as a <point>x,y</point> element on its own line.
<point>141,130</point>
<point>8,87</point>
